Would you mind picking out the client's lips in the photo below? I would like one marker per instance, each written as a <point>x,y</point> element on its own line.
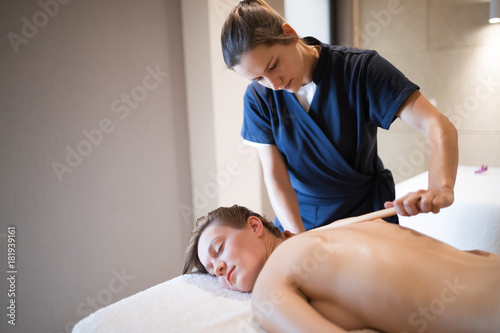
<point>228,276</point>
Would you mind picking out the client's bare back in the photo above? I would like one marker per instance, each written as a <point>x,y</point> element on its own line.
<point>379,275</point>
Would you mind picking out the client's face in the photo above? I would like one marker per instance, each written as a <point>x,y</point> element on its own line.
<point>236,256</point>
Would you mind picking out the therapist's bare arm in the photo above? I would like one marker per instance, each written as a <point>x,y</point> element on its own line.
<point>442,151</point>
<point>280,190</point>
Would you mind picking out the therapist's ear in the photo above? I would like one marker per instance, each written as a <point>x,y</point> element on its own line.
<point>256,224</point>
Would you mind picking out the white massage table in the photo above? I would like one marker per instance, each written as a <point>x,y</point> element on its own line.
<point>197,303</point>
<point>188,303</point>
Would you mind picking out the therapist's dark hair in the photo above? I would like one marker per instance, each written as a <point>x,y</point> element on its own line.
<point>249,24</point>
<point>234,217</point>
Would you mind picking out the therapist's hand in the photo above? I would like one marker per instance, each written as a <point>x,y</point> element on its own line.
<point>422,201</point>
<point>287,234</point>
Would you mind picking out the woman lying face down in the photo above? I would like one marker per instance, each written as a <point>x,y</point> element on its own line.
<point>368,274</point>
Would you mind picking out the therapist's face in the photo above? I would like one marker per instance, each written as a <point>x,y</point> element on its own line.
<point>235,256</point>
<point>278,67</point>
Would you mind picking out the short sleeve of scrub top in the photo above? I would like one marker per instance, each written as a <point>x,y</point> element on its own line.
<point>386,89</point>
<point>257,118</point>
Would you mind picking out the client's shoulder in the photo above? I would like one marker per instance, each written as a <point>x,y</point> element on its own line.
<point>292,252</point>
<point>276,273</point>
<point>297,246</point>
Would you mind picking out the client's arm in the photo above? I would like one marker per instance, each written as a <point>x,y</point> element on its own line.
<point>281,307</point>
<point>278,301</point>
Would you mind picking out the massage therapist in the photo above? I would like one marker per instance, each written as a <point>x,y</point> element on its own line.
<point>312,111</point>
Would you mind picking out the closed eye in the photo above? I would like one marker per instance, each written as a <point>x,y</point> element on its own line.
<point>258,79</point>
<point>210,266</point>
<point>219,250</point>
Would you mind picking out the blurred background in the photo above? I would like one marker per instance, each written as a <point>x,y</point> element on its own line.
<point>120,125</point>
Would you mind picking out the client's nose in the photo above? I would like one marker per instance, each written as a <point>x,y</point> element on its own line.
<point>220,269</point>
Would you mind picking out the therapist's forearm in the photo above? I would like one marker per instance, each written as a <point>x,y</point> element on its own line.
<point>442,151</point>
<point>441,139</point>
<point>285,203</point>
<point>280,190</point>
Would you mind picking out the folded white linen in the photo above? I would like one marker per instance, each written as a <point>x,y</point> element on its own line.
<point>187,303</point>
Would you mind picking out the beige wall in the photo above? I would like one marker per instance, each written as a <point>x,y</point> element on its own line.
<point>224,170</point>
<point>112,226</point>
<point>451,51</point>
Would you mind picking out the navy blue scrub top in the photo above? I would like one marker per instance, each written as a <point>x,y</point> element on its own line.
<point>331,152</point>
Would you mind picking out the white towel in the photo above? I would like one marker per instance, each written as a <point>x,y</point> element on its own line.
<point>188,303</point>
